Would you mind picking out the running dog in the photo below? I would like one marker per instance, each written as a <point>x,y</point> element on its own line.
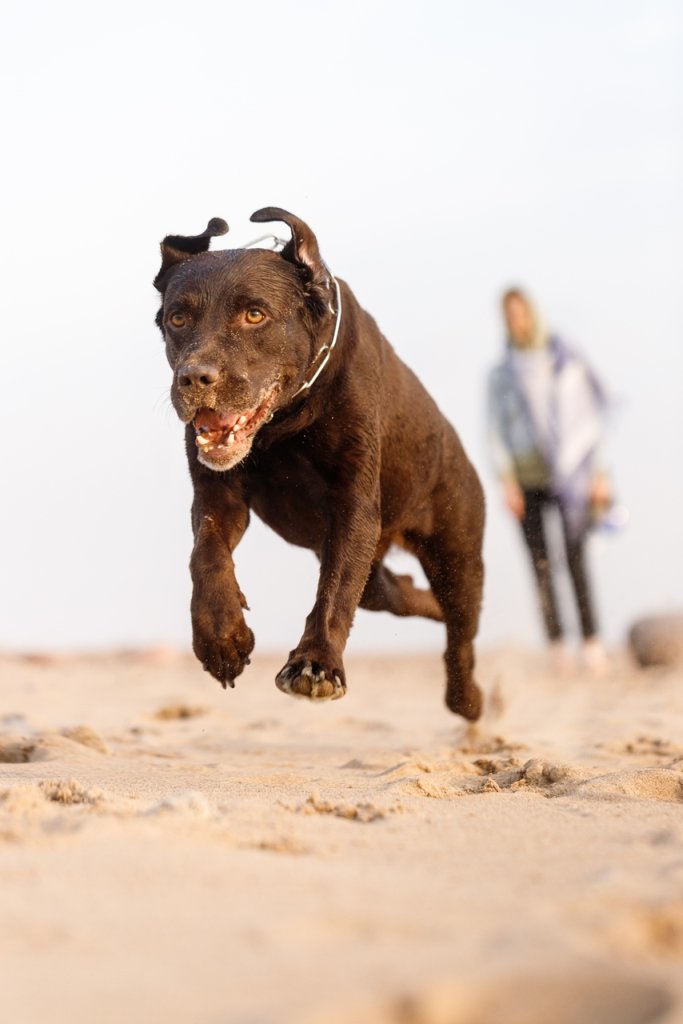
<point>297,407</point>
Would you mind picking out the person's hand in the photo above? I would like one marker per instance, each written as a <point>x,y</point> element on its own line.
<point>514,498</point>
<point>600,492</point>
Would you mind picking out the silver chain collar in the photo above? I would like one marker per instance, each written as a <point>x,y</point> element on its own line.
<point>277,245</point>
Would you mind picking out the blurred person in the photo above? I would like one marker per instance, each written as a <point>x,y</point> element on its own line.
<point>546,420</point>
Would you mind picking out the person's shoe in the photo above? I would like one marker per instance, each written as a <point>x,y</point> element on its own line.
<point>594,659</point>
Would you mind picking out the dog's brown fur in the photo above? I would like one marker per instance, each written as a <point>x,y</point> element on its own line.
<point>361,460</point>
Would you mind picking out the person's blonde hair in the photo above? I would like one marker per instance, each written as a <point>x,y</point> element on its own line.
<point>539,335</point>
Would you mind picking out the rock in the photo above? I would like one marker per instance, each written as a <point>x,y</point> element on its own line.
<point>658,640</point>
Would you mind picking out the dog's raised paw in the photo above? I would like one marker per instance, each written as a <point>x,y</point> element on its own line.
<point>310,681</point>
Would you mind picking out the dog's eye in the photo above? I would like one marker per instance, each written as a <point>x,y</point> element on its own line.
<point>254,316</point>
<point>177,320</point>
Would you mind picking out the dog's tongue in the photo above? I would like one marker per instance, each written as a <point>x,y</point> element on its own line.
<point>208,421</point>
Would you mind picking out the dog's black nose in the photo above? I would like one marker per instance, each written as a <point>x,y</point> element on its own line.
<point>197,375</point>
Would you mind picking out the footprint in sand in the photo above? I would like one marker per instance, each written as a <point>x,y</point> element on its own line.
<point>76,744</point>
<point>38,812</point>
<point>174,712</point>
<point>453,779</point>
<point>71,792</point>
<point>190,803</point>
<point>360,812</point>
<point>280,844</point>
<point>646,746</point>
<point>550,779</point>
<point>32,811</point>
<point>476,741</point>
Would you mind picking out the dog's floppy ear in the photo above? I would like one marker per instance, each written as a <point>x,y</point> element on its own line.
<point>302,250</point>
<point>178,248</point>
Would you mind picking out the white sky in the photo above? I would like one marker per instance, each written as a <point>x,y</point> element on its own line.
<point>440,150</point>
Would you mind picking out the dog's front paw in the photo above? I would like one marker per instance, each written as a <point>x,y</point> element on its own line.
<point>224,655</point>
<point>310,679</point>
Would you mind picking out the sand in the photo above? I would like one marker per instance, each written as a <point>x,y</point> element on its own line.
<point>173,853</point>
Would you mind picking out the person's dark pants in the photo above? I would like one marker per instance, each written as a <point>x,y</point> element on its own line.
<point>536,504</point>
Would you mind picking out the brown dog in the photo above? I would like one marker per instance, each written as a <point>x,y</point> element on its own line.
<point>298,408</point>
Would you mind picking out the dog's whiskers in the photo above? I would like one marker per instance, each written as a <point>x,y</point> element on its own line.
<point>163,403</point>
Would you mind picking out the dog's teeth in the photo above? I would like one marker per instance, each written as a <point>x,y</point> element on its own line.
<point>203,440</point>
<point>231,438</point>
<point>241,420</point>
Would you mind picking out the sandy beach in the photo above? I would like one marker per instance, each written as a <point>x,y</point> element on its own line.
<point>170,852</point>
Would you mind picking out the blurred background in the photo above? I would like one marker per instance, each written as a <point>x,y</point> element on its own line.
<point>440,151</point>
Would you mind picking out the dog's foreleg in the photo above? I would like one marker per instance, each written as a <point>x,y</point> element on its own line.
<point>315,667</point>
<point>221,639</point>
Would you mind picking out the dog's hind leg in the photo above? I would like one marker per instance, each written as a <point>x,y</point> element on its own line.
<point>452,561</point>
<point>387,592</point>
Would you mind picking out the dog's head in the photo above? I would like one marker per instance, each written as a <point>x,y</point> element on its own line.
<point>241,328</point>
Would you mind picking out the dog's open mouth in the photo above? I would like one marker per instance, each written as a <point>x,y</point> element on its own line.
<point>224,439</point>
